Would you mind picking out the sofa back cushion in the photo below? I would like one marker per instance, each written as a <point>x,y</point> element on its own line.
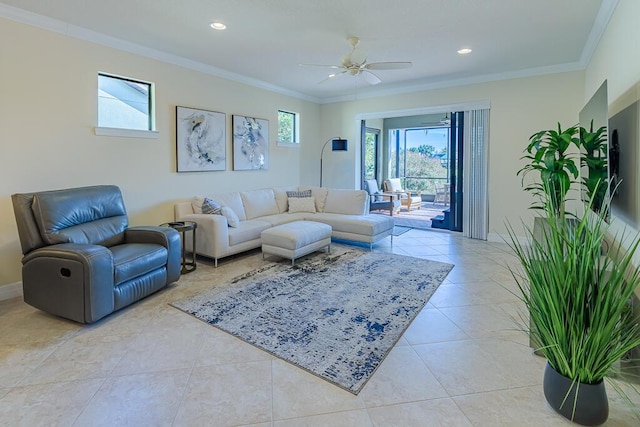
<point>88,215</point>
<point>259,203</point>
<point>234,201</point>
<point>319,194</point>
<point>282,199</point>
<point>349,202</point>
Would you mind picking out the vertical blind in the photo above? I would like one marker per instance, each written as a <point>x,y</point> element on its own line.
<point>476,187</point>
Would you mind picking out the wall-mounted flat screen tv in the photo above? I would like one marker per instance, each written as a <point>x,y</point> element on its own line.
<point>624,135</point>
<point>594,171</point>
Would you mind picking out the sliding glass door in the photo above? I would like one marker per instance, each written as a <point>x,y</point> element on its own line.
<point>456,171</point>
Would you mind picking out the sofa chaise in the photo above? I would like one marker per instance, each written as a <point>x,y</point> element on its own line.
<point>346,211</point>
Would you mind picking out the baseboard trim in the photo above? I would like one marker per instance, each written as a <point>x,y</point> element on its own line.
<point>504,238</point>
<point>12,290</point>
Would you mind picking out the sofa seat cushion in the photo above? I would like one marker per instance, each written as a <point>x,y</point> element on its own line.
<point>367,225</point>
<point>247,231</point>
<point>135,259</point>
<point>282,218</point>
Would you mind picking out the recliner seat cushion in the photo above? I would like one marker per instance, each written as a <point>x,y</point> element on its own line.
<point>135,259</point>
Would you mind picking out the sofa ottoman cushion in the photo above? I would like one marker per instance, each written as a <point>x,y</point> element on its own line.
<point>295,235</point>
<point>296,239</point>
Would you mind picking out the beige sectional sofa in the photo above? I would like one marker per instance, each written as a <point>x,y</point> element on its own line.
<point>346,211</point>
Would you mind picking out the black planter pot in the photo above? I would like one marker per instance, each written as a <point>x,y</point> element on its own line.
<point>591,407</point>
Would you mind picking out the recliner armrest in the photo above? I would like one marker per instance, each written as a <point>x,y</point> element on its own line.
<point>164,236</point>
<point>151,234</point>
<point>70,280</point>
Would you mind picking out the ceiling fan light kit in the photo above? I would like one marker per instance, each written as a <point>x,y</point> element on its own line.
<point>355,64</point>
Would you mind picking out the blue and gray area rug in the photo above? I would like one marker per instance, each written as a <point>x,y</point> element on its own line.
<point>334,315</point>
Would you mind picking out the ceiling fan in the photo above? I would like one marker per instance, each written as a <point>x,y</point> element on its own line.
<point>355,63</point>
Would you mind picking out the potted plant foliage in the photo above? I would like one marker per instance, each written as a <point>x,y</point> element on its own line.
<point>548,154</point>
<point>577,294</point>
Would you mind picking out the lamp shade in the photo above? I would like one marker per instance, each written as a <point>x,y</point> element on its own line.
<point>339,144</point>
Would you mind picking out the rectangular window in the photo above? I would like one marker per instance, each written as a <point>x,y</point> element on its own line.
<point>125,103</point>
<point>288,128</point>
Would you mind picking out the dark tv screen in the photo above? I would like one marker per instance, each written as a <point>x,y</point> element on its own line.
<point>593,116</point>
<point>624,133</point>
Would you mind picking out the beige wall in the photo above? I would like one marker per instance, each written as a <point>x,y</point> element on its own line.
<point>48,87</point>
<point>519,107</point>
<point>616,59</point>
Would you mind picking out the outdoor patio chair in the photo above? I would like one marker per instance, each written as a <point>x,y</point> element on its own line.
<point>394,185</point>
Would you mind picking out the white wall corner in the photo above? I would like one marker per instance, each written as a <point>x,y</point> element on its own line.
<point>12,290</point>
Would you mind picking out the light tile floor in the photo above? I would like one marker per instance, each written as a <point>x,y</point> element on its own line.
<point>460,363</point>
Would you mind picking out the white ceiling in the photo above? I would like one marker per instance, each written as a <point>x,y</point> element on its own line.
<point>265,40</point>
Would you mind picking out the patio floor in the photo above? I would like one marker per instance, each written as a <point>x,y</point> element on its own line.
<point>416,218</point>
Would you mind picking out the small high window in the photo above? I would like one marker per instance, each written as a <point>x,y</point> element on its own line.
<point>288,128</point>
<point>125,103</point>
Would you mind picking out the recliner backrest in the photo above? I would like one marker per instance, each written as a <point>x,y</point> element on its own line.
<point>87,215</point>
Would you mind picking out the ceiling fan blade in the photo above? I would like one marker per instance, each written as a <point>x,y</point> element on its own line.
<point>370,78</point>
<point>332,77</point>
<point>388,65</point>
<point>319,65</point>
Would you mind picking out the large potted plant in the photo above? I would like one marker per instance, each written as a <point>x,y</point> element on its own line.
<point>577,294</point>
<point>550,157</point>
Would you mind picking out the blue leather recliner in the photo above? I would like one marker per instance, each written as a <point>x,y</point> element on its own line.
<point>81,260</point>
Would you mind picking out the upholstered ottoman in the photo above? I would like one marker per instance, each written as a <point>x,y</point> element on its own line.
<point>295,239</point>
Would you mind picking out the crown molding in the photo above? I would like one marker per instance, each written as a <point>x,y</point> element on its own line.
<point>530,72</point>
<point>605,12</point>
<point>50,24</point>
<point>597,30</point>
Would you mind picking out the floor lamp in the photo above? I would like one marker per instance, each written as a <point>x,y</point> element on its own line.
<point>337,144</point>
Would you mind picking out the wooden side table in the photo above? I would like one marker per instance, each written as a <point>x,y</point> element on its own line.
<point>182,227</point>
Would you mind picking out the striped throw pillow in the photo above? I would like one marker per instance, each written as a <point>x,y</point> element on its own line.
<point>211,207</point>
<point>299,194</point>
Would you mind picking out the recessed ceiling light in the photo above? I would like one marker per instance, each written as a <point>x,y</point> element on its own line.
<point>218,26</point>
<point>464,51</point>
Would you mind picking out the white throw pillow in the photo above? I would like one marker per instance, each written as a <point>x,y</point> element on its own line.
<point>230,214</point>
<point>196,204</point>
<point>302,204</point>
